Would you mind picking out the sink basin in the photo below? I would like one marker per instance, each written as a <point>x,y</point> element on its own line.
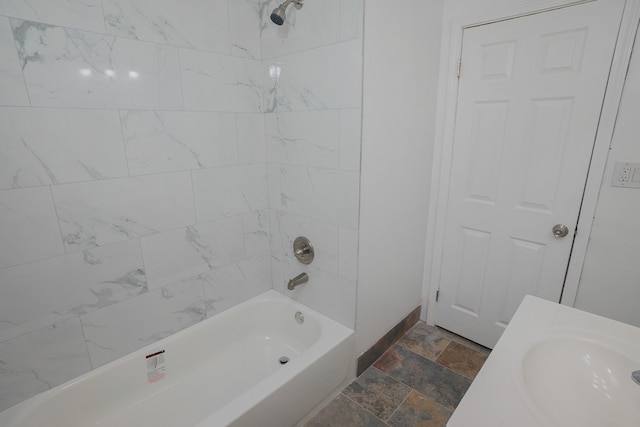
<point>556,366</point>
<point>577,379</point>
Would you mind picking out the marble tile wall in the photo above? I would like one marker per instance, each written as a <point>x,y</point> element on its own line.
<point>133,178</point>
<point>157,161</point>
<point>312,68</point>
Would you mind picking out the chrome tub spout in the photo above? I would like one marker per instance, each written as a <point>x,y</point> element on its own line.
<point>297,281</point>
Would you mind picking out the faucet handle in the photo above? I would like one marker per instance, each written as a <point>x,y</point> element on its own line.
<point>303,250</point>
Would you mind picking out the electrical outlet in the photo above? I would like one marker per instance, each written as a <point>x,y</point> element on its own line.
<point>626,175</point>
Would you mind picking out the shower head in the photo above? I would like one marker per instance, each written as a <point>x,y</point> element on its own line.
<point>278,15</point>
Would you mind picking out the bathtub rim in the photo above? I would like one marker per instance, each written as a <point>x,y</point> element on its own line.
<point>16,414</point>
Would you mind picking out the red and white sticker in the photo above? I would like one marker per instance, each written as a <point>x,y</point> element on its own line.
<point>156,366</point>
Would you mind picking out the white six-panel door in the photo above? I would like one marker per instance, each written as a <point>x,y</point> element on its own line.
<point>529,100</point>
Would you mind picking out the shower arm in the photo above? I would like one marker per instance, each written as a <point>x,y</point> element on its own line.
<point>296,3</point>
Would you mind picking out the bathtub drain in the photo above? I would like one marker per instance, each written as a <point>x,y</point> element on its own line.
<point>283,360</point>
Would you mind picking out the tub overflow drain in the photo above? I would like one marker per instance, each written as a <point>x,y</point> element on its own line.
<point>283,360</point>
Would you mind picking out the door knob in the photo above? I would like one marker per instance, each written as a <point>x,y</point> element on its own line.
<point>560,231</point>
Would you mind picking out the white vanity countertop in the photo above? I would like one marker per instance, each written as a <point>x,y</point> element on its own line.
<point>497,396</point>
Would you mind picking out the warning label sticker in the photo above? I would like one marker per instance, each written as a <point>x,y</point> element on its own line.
<point>156,366</point>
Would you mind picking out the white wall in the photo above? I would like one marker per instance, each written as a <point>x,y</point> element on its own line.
<point>401,52</point>
<point>462,8</point>
<point>610,280</point>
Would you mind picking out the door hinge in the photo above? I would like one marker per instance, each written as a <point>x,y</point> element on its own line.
<point>437,294</point>
<point>459,67</point>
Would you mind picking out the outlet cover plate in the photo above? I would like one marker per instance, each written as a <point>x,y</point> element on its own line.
<point>626,175</point>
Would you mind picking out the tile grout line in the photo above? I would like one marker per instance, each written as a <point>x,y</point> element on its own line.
<point>443,350</point>
<point>411,389</point>
<point>448,345</point>
<point>453,370</point>
<point>433,361</point>
<point>401,403</point>
<point>361,407</point>
<point>463,341</point>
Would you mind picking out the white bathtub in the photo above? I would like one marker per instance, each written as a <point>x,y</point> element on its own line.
<point>222,371</point>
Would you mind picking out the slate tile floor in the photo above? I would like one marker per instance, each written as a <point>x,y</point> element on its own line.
<point>418,382</point>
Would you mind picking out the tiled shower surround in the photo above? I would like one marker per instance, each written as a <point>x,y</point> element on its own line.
<point>157,159</point>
